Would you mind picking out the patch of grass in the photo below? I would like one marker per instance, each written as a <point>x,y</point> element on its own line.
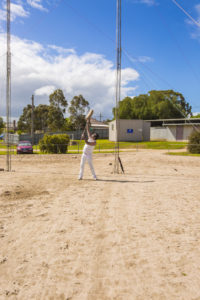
<point>165,145</point>
<point>2,152</point>
<point>106,144</point>
<point>183,154</point>
<point>94,152</point>
<point>2,146</point>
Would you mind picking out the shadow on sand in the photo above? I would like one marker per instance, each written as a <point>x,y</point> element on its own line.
<point>123,181</point>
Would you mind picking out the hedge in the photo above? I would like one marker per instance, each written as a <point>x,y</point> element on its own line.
<point>194,142</point>
<point>57,143</point>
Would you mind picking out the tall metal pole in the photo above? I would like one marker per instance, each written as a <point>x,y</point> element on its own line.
<point>32,120</point>
<point>118,84</point>
<point>8,89</point>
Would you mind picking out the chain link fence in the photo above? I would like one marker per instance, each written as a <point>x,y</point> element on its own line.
<point>76,147</point>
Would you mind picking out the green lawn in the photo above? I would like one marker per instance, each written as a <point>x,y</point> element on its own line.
<point>183,154</point>
<point>165,145</point>
<point>108,145</point>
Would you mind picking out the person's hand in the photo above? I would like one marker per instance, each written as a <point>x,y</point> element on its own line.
<point>82,136</point>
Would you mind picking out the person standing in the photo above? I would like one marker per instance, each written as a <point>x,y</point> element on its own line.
<point>90,143</point>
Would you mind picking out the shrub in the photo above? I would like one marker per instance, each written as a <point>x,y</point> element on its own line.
<point>57,143</point>
<point>194,142</point>
<point>19,132</point>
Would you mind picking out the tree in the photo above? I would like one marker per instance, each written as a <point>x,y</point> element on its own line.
<point>24,123</point>
<point>155,105</point>
<point>125,109</point>
<point>40,118</point>
<point>41,113</point>
<point>141,108</point>
<point>169,104</point>
<point>78,109</point>
<point>1,124</point>
<point>45,116</point>
<point>56,119</point>
<point>68,125</point>
<point>57,107</point>
<point>57,99</point>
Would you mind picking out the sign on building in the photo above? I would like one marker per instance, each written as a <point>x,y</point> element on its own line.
<point>129,130</point>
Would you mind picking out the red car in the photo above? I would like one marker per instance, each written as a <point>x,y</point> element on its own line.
<point>24,147</point>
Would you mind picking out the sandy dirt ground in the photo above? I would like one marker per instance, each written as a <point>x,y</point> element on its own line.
<point>124,237</point>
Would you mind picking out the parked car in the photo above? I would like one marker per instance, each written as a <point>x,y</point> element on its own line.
<point>24,147</point>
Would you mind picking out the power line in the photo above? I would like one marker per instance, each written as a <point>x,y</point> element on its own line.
<point>175,41</point>
<point>131,58</point>
<point>186,13</point>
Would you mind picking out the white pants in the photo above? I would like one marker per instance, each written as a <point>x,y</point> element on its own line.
<point>83,161</point>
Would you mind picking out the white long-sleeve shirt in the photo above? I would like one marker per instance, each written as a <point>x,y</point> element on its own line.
<point>88,149</point>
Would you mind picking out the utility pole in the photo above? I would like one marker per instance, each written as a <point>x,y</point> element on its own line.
<point>8,91</point>
<point>100,116</point>
<point>118,84</point>
<point>32,120</point>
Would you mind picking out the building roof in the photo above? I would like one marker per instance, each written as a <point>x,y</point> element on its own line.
<point>168,122</point>
<point>98,124</point>
<point>178,119</point>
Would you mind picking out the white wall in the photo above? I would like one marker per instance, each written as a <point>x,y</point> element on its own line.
<point>163,133</point>
<point>188,130</point>
<point>112,130</point>
<point>141,130</point>
<point>169,133</point>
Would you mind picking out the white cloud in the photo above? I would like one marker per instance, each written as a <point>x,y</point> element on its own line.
<point>144,59</point>
<point>140,59</point>
<point>16,10</point>
<point>2,15</point>
<point>196,28</point>
<point>37,4</point>
<point>61,50</point>
<point>148,2</point>
<point>45,90</point>
<point>34,69</point>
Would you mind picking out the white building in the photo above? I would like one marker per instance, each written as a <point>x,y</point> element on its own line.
<point>130,130</point>
<point>100,128</point>
<point>173,129</point>
<point>95,124</point>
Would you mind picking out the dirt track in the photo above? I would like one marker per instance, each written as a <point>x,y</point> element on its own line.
<point>132,236</point>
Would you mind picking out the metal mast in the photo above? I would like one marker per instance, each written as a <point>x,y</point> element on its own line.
<point>118,83</point>
<point>8,90</point>
<point>32,120</point>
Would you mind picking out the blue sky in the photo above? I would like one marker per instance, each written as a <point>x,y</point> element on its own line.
<point>71,45</point>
